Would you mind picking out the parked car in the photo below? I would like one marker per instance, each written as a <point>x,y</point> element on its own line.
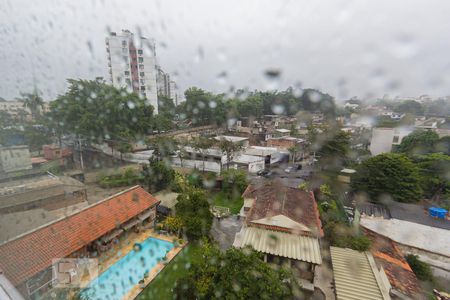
<point>263,172</point>
<point>270,174</point>
<point>289,169</point>
<point>298,166</point>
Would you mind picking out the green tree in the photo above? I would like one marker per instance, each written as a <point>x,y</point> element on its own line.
<point>229,149</point>
<point>234,182</point>
<point>204,108</point>
<point>418,142</point>
<point>420,268</point>
<point>34,102</point>
<point>410,106</point>
<point>99,111</point>
<point>388,174</point>
<point>443,145</point>
<point>5,119</point>
<point>333,148</point>
<point>193,209</point>
<point>166,107</point>
<point>293,152</point>
<point>35,137</point>
<point>163,146</point>
<point>434,170</point>
<point>124,146</point>
<point>158,175</point>
<point>235,274</point>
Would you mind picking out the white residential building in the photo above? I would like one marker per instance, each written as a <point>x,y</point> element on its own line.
<point>132,64</point>
<point>383,139</point>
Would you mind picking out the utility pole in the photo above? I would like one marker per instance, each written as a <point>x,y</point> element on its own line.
<point>81,153</point>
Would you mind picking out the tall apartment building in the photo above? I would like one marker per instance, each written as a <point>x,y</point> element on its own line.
<point>131,66</point>
<point>173,92</point>
<point>166,87</point>
<point>162,81</point>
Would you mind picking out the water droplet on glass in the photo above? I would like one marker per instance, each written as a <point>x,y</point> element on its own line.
<point>199,55</point>
<point>273,78</point>
<point>278,109</point>
<point>222,77</point>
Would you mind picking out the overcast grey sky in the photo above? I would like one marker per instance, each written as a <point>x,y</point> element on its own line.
<point>345,48</point>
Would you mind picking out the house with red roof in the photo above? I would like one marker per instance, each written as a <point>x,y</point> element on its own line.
<point>283,223</point>
<point>27,259</point>
<point>403,283</point>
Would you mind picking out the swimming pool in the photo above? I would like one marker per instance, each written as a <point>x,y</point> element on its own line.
<point>118,279</point>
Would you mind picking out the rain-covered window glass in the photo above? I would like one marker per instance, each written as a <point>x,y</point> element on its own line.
<point>224,149</point>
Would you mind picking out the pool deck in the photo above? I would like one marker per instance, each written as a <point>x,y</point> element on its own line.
<point>124,247</point>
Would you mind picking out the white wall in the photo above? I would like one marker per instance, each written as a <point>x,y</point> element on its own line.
<point>15,159</point>
<point>383,139</point>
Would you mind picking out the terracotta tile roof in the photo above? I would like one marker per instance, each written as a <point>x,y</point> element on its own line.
<point>31,253</point>
<point>273,198</point>
<point>397,269</point>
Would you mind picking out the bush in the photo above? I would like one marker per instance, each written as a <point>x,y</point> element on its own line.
<point>128,177</point>
<point>360,243</point>
<point>420,268</point>
<point>341,235</point>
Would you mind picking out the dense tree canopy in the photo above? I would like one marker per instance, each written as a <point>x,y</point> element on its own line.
<point>99,111</point>
<point>193,210</point>
<point>392,175</point>
<point>158,175</point>
<point>434,170</point>
<point>332,147</point>
<point>235,274</point>
<point>203,108</point>
<point>419,142</point>
<point>410,106</point>
<point>234,182</point>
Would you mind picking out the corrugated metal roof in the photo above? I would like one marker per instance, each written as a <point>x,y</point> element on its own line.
<point>283,244</point>
<point>354,275</point>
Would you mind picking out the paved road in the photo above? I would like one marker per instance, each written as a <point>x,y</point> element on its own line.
<point>291,179</point>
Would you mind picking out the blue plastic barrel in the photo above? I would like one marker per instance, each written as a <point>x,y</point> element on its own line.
<point>437,212</point>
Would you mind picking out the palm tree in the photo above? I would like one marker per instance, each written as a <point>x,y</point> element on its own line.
<point>34,102</point>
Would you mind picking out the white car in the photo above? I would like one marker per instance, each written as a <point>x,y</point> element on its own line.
<point>288,169</point>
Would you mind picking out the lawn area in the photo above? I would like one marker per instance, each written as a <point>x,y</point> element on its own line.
<point>161,286</point>
<point>222,199</point>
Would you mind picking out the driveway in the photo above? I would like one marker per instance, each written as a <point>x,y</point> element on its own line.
<point>225,230</point>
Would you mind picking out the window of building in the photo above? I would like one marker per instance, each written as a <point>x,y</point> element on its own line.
<point>141,60</point>
<point>142,74</point>
<point>140,52</point>
<point>142,88</point>
<point>141,66</point>
<point>127,72</point>
<point>396,139</point>
<point>124,43</point>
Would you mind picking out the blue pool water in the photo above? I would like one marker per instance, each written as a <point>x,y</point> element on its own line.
<point>118,279</point>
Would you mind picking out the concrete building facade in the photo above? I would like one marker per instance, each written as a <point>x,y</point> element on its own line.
<point>14,158</point>
<point>132,64</point>
<point>383,139</point>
